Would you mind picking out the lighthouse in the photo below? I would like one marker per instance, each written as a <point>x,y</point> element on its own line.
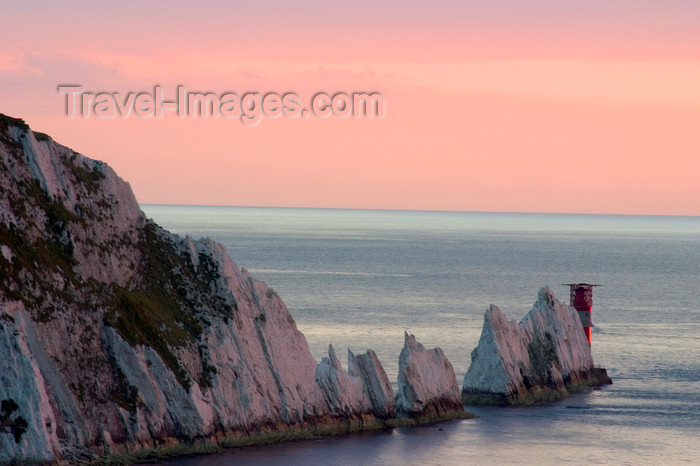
<point>582,301</point>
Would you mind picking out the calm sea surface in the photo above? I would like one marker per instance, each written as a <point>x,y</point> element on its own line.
<point>360,278</point>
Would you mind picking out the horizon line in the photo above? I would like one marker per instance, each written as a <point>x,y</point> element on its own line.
<point>419,210</point>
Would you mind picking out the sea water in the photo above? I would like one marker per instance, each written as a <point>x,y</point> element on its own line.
<point>359,278</point>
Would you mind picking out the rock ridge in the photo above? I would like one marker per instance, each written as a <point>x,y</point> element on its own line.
<point>118,337</point>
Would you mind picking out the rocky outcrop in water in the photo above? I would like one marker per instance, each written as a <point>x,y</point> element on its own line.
<point>346,393</point>
<point>117,336</point>
<point>363,393</point>
<point>427,383</point>
<point>376,383</point>
<point>543,357</point>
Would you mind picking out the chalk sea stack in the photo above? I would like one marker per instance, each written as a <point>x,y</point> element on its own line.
<point>427,383</point>
<point>363,392</point>
<point>120,338</point>
<point>543,357</point>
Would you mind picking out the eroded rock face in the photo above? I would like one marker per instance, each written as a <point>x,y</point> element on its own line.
<point>116,335</point>
<point>377,387</point>
<point>542,357</point>
<point>21,381</point>
<point>427,385</point>
<point>345,393</point>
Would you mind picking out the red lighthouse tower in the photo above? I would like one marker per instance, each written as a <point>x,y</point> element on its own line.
<point>582,301</point>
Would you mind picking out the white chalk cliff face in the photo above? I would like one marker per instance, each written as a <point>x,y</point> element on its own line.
<point>427,381</point>
<point>541,357</point>
<point>345,392</point>
<point>361,391</point>
<point>116,335</point>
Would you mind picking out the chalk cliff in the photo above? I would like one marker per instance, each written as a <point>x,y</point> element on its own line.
<point>543,356</point>
<point>117,336</point>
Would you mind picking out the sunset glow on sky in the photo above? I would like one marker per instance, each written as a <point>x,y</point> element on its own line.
<point>489,106</point>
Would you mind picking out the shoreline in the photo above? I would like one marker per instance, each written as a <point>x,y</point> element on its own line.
<point>273,434</point>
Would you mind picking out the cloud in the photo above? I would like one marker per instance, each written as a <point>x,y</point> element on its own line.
<point>15,65</point>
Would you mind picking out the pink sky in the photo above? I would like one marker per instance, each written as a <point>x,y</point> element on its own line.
<point>498,107</point>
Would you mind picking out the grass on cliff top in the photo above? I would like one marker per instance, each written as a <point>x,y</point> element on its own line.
<point>13,146</point>
<point>41,137</point>
<point>6,121</point>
